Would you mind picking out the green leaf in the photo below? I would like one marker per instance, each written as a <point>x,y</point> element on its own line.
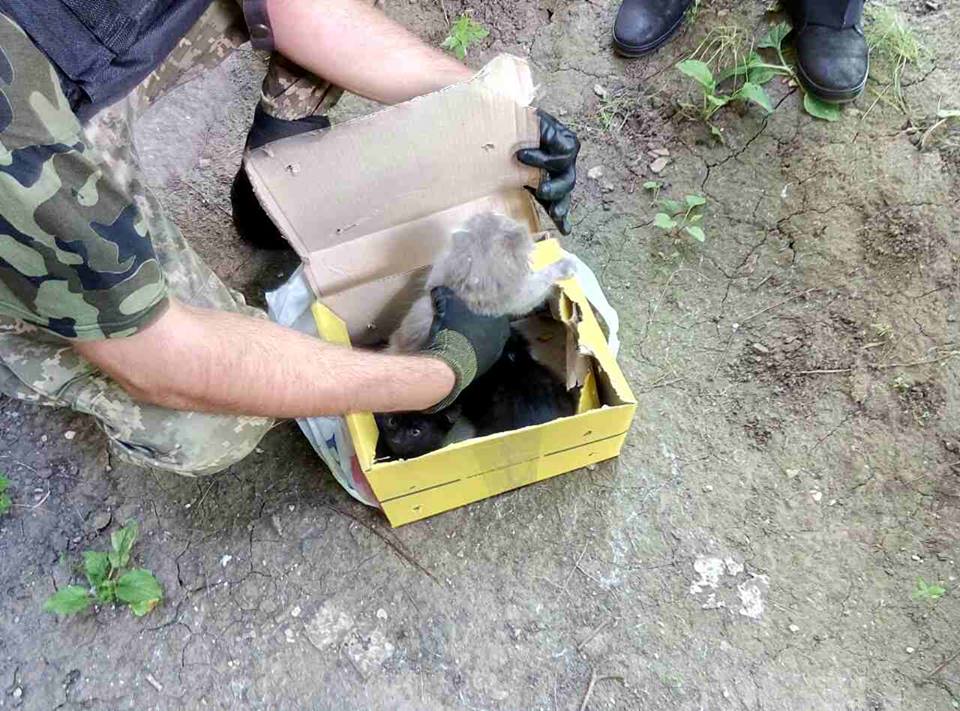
<point>96,566</point>
<point>821,109</point>
<point>107,591</point>
<point>68,600</point>
<point>716,132</point>
<point>695,200</point>
<point>142,608</point>
<point>139,588</point>
<point>122,542</point>
<point>760,75</point>
<point>926,591</point>
<point>774,38</point>
<point>696,232</point>
<point>700,72</point>
<point>5,501</point>
<point>463,33</point>
<point>693,219</point>
<point>663,221</point>
<point>672,206</point>
<point>452,44</point>
<point>718,101</point>
<point>756,94</point>
<point>652,185</point>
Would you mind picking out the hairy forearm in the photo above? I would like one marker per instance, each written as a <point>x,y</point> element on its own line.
<point>212,361</point>
<point>357,47</point>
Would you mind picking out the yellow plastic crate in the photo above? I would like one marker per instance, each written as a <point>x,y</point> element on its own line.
<point>409,490</point>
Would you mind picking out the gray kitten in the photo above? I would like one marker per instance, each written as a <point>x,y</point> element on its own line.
<point>487,265</point>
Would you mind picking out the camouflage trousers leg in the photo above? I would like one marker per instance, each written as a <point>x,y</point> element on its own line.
<point>40,368</point>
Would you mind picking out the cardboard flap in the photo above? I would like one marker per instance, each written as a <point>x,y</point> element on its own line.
<point>400,164</point>
<point>408,247</point>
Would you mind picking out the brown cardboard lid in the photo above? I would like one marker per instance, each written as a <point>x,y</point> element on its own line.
<point>400,165</point>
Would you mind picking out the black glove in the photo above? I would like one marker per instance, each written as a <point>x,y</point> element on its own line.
<point>469,343</point>
<point>557,155</point>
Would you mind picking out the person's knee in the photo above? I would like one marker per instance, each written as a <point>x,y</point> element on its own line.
<point>189,443</point>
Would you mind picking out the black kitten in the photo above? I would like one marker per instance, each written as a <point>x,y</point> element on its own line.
<point>405,435</point>
<point>516,392</point>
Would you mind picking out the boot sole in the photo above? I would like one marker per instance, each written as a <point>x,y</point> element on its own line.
<point>832,96</point>
<point>633,51</point>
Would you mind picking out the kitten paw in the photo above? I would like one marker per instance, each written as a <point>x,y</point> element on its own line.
<point>566,268</point>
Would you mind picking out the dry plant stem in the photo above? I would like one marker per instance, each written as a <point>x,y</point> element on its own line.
<point>778,305</point>
<point>943,665</point>
<point>884,366</point>
<point>593,682</point>
<point>402,554</point>
<point>596,631</point>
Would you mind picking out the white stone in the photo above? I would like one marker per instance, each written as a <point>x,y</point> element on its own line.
<point>658,165</point>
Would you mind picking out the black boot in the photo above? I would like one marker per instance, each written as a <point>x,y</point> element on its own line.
<point>832,55</point>
<point>644,25</point>
<point>248,216</point>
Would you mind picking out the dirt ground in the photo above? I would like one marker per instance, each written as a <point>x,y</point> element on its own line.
<point>793,469</point>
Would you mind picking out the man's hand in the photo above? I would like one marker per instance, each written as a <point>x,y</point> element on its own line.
<point>557,156</point>
<point>357,47</point>
<point>214,361</point>
<point>469,343</point>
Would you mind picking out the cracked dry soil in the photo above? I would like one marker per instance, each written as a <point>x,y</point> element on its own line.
<point>793,469</point>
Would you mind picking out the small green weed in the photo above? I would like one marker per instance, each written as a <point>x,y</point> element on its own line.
<point>678,218</point>
<point>5,501</point>
<point>463,33</point>
<point>714,99</point>
<point>899,384</point>
<point>654,186</point>
<point>613,111</point>
<point>109,580</point>
<point>895,45</point>
<point>740,76</point>
<point>927,591</point>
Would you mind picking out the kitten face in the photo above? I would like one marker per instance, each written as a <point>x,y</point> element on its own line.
<point>412,434</point>
<point>489,257</point>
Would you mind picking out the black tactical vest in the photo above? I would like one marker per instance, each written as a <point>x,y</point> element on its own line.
<point>103,48</point>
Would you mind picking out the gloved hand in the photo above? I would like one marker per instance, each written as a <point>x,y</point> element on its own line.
<point>469,343</point>
<point>557,155</point>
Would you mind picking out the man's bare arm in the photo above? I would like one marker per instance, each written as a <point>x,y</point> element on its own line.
<point>213,361</point>
<point>357,47</point>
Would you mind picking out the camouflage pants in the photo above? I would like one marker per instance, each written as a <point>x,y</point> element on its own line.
<point>40,368</point>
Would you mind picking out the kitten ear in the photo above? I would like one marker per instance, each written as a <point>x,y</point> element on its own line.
<point>452,413</point>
